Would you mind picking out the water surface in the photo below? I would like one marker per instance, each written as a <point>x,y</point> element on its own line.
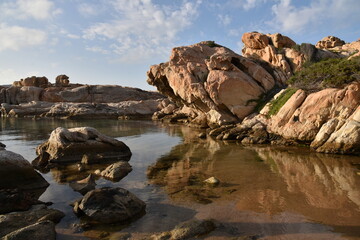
<point>272,192</point>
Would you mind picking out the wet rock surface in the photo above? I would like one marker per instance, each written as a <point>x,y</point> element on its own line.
<point>69,146</point>
<point>110,205</point>
<point>18,224</point>
<point>20,185</point>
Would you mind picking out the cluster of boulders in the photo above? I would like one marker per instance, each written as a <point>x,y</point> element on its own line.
<point>25,217</point>
<point>35,96</point>
<point>211,86</point>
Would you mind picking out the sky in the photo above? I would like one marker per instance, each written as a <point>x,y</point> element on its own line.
<point>116,41</point>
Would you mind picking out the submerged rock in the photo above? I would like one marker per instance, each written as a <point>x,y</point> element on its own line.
<point>117,171</point>
<point>20,184</point>
<point>110,205</point>
<point>85,185</point>
<point>40,231</point>
<point>69,146</point>
<point>187,230</point>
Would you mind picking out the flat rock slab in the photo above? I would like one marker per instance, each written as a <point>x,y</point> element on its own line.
<point>70,145</point>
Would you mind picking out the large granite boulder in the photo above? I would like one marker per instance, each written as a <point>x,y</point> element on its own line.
<point>215,81</point>
<point>39,221</point>
<point>20,184</point>
<point>110,205</point>
<point>70,146</point>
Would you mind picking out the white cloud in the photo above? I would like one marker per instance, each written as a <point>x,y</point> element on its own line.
<point>97,49</point>
<point>16,37</point>
<point>290,18</point>
<point>224,19</point>
<point>24,9</point>
<point>143,28</point>
<point>86,9</point>
<point>245,4</point>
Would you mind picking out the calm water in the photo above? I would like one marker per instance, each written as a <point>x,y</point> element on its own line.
<point>277,193</point>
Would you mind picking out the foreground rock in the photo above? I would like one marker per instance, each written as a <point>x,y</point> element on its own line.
<point>70,145</point>
<point>20,184</point>
<point>31,224</point>
<point>110,205</point>
<point>187,230</point>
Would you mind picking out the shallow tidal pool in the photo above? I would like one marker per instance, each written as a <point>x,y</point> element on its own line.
<point>271,192</point>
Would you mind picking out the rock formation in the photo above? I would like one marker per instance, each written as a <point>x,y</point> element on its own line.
<point>41,82</point>
<point>329,42</point>
<point>110,205</point>
<point>70,145</point>
<point>62,81</point>
<point>217,84</point>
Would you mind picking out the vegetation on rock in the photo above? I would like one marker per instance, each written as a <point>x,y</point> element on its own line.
<point>276,104</point>
<point>328,73</point>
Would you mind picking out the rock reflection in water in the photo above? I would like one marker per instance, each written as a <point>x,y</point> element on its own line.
<point>286,183</point>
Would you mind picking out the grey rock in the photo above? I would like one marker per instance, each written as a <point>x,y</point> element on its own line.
<point>117,171</point>
<point>109,205</point>
<point>39,231</point>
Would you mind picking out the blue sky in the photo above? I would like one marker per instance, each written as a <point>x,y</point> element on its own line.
<point>115,41</point>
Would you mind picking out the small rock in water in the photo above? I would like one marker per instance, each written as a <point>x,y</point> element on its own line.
<point>85,185</point>
<point>212,180</point>
<point>97,172</point>
<point>117,171</point>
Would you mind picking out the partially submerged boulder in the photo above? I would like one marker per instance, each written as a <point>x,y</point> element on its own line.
<point>84,185</point>
<point>117,171</point>
<point>110,205</point>
<point>20,184</point>
<point>69,146</point>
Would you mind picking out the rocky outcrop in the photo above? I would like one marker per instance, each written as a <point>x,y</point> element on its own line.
<point>110,205</point>
<point>70,145</point>
<point>329,42</point>
<point>20,185</point>
<point>275,49</point>
<point>327,120</point>
<point>214,82</point>
<point>126,109</point>
<point>31,224</point>
<point>280,51</point>
<point>41,82</point>
<point>62,81</point>
<point>303,114</point>
<point>339,136</point>
<point>97,94</point>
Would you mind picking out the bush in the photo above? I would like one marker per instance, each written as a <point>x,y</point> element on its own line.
<point>335,72</point>
<point>276,104</point>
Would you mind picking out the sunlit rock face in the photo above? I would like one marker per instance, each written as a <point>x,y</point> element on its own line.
<point>329,42</point>
<point>70,146</point>
<point>328,118</point>
<point>214,80</point>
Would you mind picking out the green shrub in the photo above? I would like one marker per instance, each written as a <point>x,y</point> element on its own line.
<point>276,104</point>
<point>334,72</point>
